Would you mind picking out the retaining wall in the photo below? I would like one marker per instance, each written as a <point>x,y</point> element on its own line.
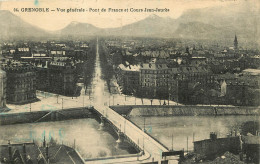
<point>181,110</point>
<point>46,115</point>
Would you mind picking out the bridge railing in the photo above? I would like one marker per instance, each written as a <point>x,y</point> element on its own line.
<point>114,157</point>
<point>150,146</point>
<point>144,131</point>
<point>148,134</point>
<point>116,123</point>
<point>148,137</point>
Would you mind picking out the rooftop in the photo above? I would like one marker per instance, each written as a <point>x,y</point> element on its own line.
<point>153,66</point>
<point>254,72</point>
<point>129,67</point>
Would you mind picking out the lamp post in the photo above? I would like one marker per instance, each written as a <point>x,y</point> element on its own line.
<point>144,124</point>
<point>172,142</point>
<point>83,100</point>
<point>187,143</point>
<point>113,100</point>
<point>169,99</point>
<point>124,125</point>
<point>109,99</point>
<point>61,103</point>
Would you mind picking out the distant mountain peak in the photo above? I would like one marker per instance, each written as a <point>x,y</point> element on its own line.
<point>13,26</point>
<point>74,23</point>
<point>79,28</point>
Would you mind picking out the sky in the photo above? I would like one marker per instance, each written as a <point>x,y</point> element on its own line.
<point>52,21</point>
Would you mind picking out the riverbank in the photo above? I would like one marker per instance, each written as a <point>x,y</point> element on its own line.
<point>43,116</point>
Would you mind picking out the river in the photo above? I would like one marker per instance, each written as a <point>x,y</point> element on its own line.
<point>174,131</point>
<point>89,140</point>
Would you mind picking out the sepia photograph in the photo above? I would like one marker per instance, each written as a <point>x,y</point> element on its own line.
<point>129,81</point>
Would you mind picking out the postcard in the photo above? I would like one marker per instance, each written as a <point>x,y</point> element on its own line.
<point>109,81</point>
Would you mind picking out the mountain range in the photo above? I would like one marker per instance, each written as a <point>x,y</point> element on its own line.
<point>13,26</point>
<point>206,23</point>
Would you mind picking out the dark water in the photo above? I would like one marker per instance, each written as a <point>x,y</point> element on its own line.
<point>89,141</point>
<point>183,127</point>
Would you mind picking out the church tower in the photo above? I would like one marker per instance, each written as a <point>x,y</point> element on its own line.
<point>235,43</point>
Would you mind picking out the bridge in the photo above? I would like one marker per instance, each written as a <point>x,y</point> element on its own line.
<point>150,149</point>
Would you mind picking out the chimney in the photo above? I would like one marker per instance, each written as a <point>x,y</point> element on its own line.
<point>213,136</point>
<point>10,151</point>
<point>24,152</point>
<point>47,152</point>
<point>44,142</point>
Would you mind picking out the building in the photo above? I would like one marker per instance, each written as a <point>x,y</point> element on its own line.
<point>198,61</point>
<point>57,77</point>
<point>247,147</point>
<point>156,54</point>
<point>250,62</point>
<point>241,89</point>
<point>30,153</point>
<point>57,53</point>
<point>215,146</point>
<point>128,78</point>
<point>251,148</point>
<point>154,79</point>
<point>189,84</point>
<point>252,74</point>
<point>22,51</point>
<point>21,84</point>
<point>245,89</point>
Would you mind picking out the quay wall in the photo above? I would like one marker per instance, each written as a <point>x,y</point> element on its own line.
<point>135,110</point>
<point>44,116</point>
<point>190,110</point>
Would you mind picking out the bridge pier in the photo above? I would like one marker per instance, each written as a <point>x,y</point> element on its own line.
<point>102,123</point>
<point>121,137</point>
<point>53,116</point>
<point>57,116</point>
<point>140,154</point>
